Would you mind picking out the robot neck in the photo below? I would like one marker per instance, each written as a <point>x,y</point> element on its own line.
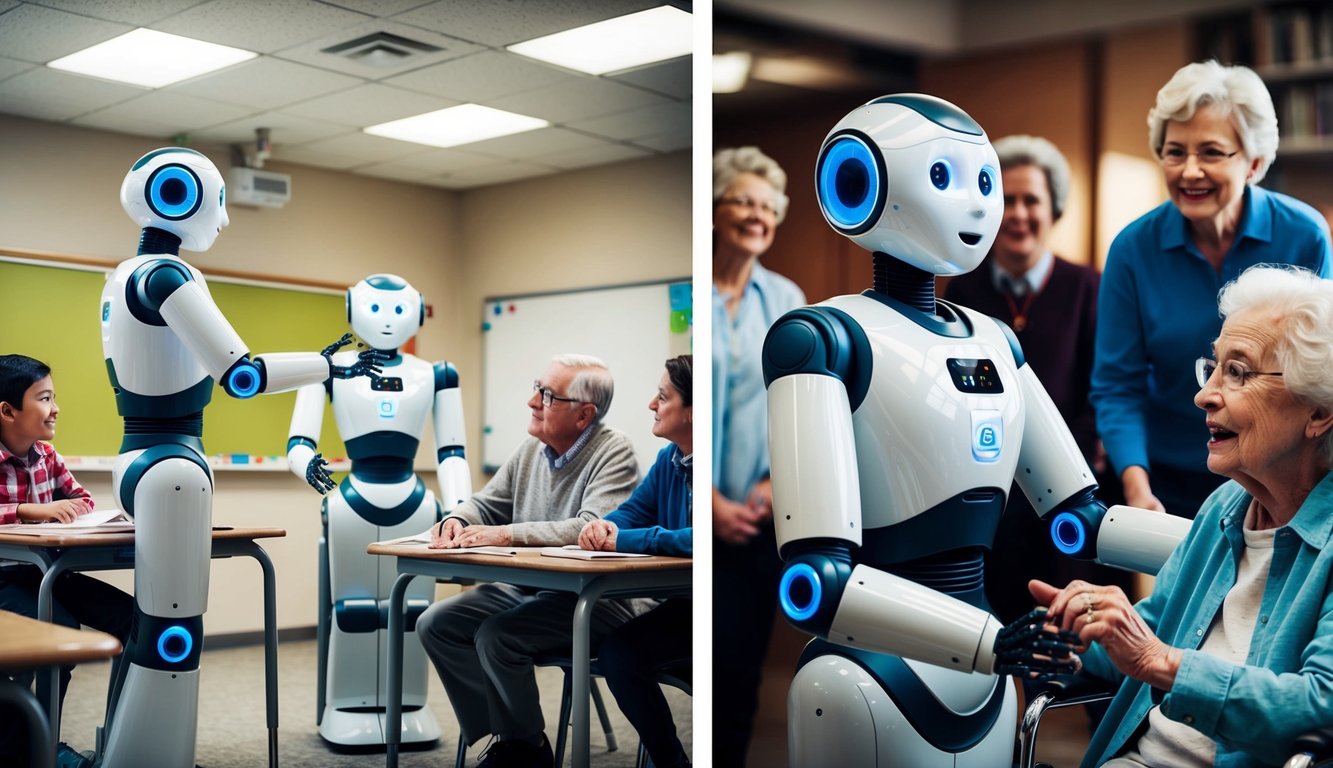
<point>904,282</point>
<point>154,240</point>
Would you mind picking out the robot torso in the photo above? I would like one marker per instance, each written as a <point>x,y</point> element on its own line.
<point>384,417</point>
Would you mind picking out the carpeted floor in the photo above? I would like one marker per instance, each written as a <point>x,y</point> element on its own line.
<point>233,733</point>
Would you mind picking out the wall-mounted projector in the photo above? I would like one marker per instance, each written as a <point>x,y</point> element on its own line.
<point>251,186</point>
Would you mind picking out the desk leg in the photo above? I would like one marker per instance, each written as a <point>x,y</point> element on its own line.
<point>582,653</point>
<point>393,711</point>
<point>41,746</point>
<point>270,649</point>
<point>49,683</point>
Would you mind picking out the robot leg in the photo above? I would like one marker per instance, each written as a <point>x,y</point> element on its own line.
<point>359,585</point>
<point>153,719</point>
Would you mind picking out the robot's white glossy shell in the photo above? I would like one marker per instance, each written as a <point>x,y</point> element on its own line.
<point>149,359</point>
<point>914,430</point>
<point>359,410</point>
<point>198,231</point>
<point>385,318</point>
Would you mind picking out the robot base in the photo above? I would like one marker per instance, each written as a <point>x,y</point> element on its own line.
<point>364,730</point>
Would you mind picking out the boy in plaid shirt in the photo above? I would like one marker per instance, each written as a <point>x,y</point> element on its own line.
<point>35,486</point>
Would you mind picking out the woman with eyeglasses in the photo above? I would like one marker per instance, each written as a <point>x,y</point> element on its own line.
<point>748,205</point>
<point>1230,658</point>
<point>658,519</point>
<point>1214,131</point>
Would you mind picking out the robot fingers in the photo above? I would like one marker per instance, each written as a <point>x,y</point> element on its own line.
<point>317,474</point>
<point>1032,647</point>
<point>337,345</point>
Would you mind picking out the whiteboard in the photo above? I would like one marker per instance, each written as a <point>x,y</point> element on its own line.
<point>634,329</point>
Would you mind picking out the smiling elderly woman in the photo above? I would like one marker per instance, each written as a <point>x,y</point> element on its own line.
<point>1231,657</point>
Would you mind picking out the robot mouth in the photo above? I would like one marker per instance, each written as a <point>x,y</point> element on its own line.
<point>969,238</point>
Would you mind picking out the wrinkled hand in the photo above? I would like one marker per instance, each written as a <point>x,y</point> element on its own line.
<point>63,511</point>
<point>1106,616</point>
<point>318,475</point>
<point>483,536</point>
<point>443,534</point>
<point>733,522</point>
<point>1032,647</point>
<point>599,534</point>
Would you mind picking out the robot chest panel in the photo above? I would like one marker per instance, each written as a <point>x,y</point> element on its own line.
<point>400,404</point>
<point>942,416</point>
<point>148,359</point>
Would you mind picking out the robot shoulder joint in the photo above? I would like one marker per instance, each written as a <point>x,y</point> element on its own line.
<point>820,340</point>
<point>446,376</point>
<point>151,285</point>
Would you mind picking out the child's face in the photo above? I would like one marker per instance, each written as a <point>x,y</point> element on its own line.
<point>37,419</point>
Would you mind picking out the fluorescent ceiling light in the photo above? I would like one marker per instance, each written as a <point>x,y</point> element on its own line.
<point>150,58</point>
<point>730,71</point>
<point>656,34</point>
<point>450,127</point>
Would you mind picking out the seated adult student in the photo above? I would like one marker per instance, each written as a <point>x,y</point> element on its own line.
<point>1231,656</point>
<point>657,520</point>
<point>482,641</point>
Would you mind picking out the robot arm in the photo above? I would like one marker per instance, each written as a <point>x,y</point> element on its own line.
<point>303,439</point>
<point>452,471</point>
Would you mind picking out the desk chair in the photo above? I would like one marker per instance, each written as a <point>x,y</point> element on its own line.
<point>676,677</point>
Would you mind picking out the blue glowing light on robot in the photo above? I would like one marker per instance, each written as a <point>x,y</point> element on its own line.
<point>174,644</point>
<point>800,606</point>
<point>1068,533</point>
<point>849,183</point>
<point>173,190</point>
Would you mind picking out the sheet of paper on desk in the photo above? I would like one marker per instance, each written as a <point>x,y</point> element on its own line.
<point>572,550</point>
<point>98,521</point>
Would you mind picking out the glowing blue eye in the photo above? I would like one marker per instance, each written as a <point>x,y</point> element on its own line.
<point>374,308</point>
<point>398,310</point>
<point>939,175</point>
<point>986,182</point>
<point>848,183</point>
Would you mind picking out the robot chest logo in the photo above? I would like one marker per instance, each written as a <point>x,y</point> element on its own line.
<point>106,311</point>
<point>388,408</point>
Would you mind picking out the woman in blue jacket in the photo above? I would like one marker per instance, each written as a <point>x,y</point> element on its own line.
<point>657,520</point>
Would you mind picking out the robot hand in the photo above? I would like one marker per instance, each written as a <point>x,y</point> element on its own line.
<point>1029,648</point>
<point>368,363</point>
<point>318,475</point>
<point>337,345</point>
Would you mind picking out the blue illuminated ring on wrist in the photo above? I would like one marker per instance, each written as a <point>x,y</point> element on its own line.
<point>182,188</point>
<point>171,636</point>
<point>806,574</point>
<point>848,182</point>
<point>243,380</point>
<point>1068,533</point>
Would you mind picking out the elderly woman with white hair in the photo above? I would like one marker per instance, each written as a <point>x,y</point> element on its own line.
<point>1214,131</point>
<point>1230,658</point>
<point>748,205</point>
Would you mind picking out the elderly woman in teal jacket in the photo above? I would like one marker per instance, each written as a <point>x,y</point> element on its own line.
<point>657,520</point>
<point>1231,656</point>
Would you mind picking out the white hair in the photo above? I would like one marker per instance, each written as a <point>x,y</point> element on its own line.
<point>1236,91</point>
<point>592,382</point>
<point>1019,150</point>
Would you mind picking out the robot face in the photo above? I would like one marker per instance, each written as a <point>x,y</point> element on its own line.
<point>385,311</point>
<point>179,191</point>
<point>914,177</point>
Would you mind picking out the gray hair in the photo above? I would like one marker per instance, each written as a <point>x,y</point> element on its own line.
<point>1303,304</point>
<point>1019,150</point>
<point>727,163</point>
<point>592,382</point>
<point>1237,91</point>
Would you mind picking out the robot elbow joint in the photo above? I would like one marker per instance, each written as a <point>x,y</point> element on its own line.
<point>1074,526</point>
<point>811,588</point>
<point>244,379</point>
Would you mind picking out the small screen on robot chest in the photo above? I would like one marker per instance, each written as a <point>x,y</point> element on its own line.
<point>387,384</point>
<point>976,376</point>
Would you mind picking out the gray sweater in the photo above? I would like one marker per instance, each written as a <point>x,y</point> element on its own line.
<point>549,507</point>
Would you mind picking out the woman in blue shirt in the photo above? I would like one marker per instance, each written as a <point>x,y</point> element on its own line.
<point>657,519</point>
<point>1231,657</point>
<point>1215,132</point>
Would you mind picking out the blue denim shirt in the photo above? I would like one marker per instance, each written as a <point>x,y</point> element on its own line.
<point>740,399</point>
<point>1285,688</point>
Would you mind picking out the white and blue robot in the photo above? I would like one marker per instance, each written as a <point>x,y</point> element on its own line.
<point>166,342</point>
<point>382,498</point>
<point>897,424</point>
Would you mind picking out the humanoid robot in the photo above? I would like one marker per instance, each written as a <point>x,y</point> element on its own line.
<point>382,498</point>
<point>165,342</point>
<point>897,424</point>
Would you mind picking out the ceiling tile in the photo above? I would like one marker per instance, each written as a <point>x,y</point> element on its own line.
<point>494,174</point>
<point>396,172</point>
<point>503,23</point>
<point>606,153</point>
<point>35,34</point>
<point>284,130</point>
<point>438,161</point>
<point>674,78</point>
<point>376,8</point>
<point>581,98</point>
<point>47,94</point>
<point>11,67</point>
<point>161,113</point>
<point>367,105</point>
<point>483,76</point>
<point>140,13</point>
<point>317,159</point>
<point>667,142</point>
<point>257,25</point>
<point>543,141</point>
<point>266,83</point>
<point>363,145</point>
<point>676,117</point>
<point>312,52</point>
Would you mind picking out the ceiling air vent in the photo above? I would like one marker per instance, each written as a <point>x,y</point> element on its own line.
<point>381,49</point>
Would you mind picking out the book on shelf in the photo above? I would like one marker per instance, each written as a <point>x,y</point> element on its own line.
<point>572,550</point>
<point>97,521</point>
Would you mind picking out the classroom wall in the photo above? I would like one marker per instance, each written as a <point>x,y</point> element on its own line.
<point>59,192</point>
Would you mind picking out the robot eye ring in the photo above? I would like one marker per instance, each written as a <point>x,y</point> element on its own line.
<point>849,182</point>
<point>174,192</point>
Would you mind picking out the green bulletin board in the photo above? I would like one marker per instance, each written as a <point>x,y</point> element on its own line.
<point>51,313</point>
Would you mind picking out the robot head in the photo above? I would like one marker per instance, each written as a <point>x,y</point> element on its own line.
<point>179,191</point>
<point>385,311</point>
<point>915,177</point>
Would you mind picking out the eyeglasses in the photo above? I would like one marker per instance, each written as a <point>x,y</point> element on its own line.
<point>1174,157</point>
<point>771,207</point>
<point>548,396</point>
<point>1234,374</point>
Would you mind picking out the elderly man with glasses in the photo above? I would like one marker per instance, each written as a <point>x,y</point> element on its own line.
<point>571,470</point>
